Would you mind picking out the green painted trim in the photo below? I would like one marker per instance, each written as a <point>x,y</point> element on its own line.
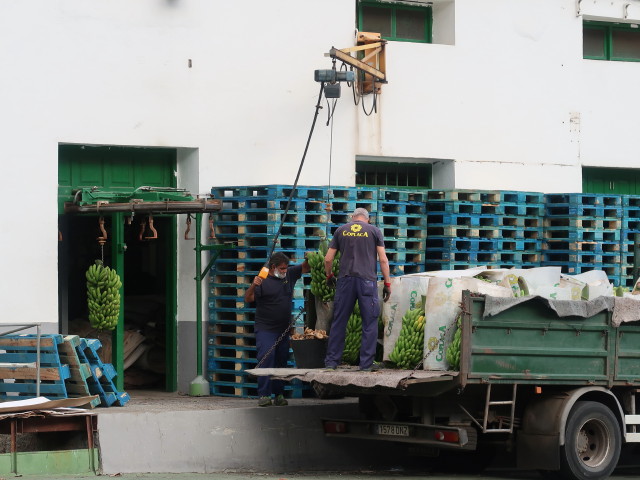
<point>59,462</point>
<point>171,347</point>
<point>608,29</point>
<point>394,8</point>
<point>117,254</point>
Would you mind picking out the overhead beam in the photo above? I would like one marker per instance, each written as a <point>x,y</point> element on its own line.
<point>354,62</point>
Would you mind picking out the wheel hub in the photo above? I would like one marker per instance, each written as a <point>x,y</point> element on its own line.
<point>592,443</point>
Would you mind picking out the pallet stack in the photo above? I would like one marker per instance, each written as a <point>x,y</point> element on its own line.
<point>470,228</point>
<point>582,232</point>
<point>69,368</point>
<point>401,217</point>
<point>250,219</point>
<point>630,232</point>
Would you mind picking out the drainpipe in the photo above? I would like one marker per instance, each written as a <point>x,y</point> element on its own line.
<point>199,386</point>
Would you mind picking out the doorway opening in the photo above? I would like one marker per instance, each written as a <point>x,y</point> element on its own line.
<point>149,291</point>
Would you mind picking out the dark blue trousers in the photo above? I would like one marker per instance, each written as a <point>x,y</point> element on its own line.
<point>349,290</point>
<point>277,359</point>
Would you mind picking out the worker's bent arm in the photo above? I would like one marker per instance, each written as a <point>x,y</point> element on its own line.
<point>306,268</point>
<point>249,295</point>
<point>328,261</point>
<point>384,264</point>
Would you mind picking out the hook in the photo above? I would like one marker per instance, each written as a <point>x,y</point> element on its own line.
<point>578,12</point>
<point>625,9</point>
<point>59,235</point>
<point>212,234</point>
<point>186,233</point>
<point>143,227</point>
<point>153,230</point>
<point>103,239</point>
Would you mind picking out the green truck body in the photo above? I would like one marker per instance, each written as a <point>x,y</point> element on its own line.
<point>560,391</point>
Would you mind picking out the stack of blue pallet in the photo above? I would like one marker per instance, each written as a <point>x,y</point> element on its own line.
<point>630,231</point>
<point>401,216</point>
<point>470,228</point>
<point>250,219</point>
<point>583,232</point>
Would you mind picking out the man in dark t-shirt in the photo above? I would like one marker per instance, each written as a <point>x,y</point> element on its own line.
<point>361,246</point>
<point>273,297</point>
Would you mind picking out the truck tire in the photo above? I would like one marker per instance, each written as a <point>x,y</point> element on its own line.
<point>592,442</point>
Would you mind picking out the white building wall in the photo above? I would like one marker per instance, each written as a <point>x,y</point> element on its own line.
<point>503,100</point>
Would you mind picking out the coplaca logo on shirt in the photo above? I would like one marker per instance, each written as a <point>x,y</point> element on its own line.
<point>355,231</point>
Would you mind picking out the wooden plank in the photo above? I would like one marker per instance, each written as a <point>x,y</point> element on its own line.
<point>27,373</point>
<point>24,342</point>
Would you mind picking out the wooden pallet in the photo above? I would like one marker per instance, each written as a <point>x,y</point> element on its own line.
<point>18,372</point>
<point>101,381</point>
<point>77,384</point>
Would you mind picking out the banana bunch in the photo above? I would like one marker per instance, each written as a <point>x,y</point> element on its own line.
<point>409,347</point>
<point>103,296</point>
<point>453,350</point>
<point>319,285</point>
<point>353,337</point>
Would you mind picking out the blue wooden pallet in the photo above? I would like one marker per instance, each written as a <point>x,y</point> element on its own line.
<point>592,246</point>
<point>585,199</point>
<point>19,379</point>
<point>569,210</point>
<point>101,382</point>
<point>515,197</point>
<point>402,195</point>
<point>77,384</point>
<point>462,195</point>
<point>401,208</point>
<point>581,234</point>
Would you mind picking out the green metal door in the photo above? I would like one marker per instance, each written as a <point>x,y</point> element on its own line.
<point>620,181</point>
<point>123,169</point>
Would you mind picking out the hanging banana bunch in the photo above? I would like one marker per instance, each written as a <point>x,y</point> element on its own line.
<point>409,347</point>
<point>319,285</point>
<point>453,350</point>
<point>103,296</point>
<point>353,337</point>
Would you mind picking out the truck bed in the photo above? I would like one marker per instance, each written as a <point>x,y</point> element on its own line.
<point>352,377</point>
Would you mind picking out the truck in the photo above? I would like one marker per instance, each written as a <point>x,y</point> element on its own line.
<point>560,392</point>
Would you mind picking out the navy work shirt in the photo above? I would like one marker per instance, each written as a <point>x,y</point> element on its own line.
<point>357,242</point>
<point>273,301</point>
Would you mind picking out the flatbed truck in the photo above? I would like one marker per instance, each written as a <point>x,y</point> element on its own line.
<point>560,392</point>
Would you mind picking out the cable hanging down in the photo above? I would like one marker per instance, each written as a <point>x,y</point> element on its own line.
<point>265,269</point>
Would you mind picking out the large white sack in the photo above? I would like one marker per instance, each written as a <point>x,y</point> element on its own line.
<point>441,310</point>
<point>539,277</point>
<point>406,293</point>
<point>597,284</point>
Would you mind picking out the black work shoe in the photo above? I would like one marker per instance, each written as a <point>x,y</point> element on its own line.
<point>264,402</point>
<point>280,401</point>
<point>330,367</point>
<point>374,367</point>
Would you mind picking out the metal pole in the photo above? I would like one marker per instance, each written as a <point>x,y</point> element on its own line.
<point>199,387</point>
<point>198,294</point>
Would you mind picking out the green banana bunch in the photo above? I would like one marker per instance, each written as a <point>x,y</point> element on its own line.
<point>453,350</point>
<point>319,285</point>
<point>409,347</point>
<point>103,296</point>
<point>353,337</point>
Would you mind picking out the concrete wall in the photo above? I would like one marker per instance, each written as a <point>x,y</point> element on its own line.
<point>502,100</point>
<point>237,439</point>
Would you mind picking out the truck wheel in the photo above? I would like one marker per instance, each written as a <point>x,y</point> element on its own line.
<point>592,442</point>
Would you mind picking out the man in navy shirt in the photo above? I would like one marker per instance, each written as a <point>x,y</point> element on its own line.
<point>361,246</point>
<point>273,297</point>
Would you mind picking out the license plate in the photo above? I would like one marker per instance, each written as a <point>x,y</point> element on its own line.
<point>393,430</point>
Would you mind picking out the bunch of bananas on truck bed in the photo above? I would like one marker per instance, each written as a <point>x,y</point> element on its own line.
<point>103,296</point>
<point>453,350</point>
<point>409,347</point>
<point>353,337</point>
<point>319,285</point>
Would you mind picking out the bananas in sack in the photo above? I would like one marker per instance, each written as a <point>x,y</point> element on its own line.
<point>453,350</point>
<point>319,285</point>
<point>103,296</point>
<point>353,337</point>
<point>409,347</point>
